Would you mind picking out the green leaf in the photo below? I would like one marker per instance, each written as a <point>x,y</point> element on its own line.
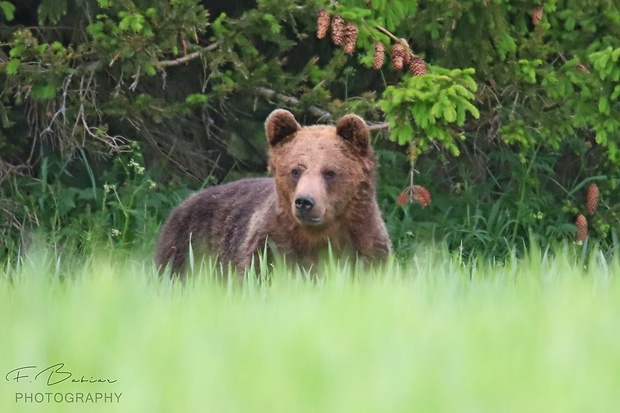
<point>472,109</point>
<point>422,116</point>
<point>51,11</point>
<point>196,99</point>
<point>12,66</point>
<point>16,51</point>
<point>437,109</point>
<point>56,46</point>
<point>8,9</point>
<point>449,113</point>
<point>273,23</point>
<point>95,29</point>
<point>44,92</point>
<point>404,133</point>
<point>603,105</point>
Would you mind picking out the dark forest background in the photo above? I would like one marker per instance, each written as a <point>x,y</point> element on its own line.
<point>111,112</point>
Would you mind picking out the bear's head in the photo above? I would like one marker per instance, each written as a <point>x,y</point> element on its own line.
<point>321,170</point>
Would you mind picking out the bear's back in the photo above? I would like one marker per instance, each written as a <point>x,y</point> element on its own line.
<point>214,219</point>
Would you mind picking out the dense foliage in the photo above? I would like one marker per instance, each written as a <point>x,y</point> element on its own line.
<point>110,110</point>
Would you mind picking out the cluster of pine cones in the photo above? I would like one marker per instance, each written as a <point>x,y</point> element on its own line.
<point>344,35</point>
<point>581,222</point>
<point>401,56</point>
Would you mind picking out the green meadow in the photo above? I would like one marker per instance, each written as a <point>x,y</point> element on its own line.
<point>434,334</point>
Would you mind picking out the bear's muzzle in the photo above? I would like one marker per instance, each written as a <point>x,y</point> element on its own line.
<point>305,212</point>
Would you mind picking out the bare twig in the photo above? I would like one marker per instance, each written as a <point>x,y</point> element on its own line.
<point>188,58</point>
<point>136,77</point>
<point>403,42</point>
<point>62,111</point>
<point>115,143</point>
<point>379,126</point>
<point>168,63</point>
<point>388,33</point>
<point>7,170</point>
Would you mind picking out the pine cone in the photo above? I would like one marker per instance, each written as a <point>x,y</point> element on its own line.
<point>408,55</point>
<point>421,194</point>
<point>377,62</point>
<point>592,199</point>
<point>322,23</point>
<point>338,30</point>
<point>417,66</point>
<point>400,56</point>
<point>582,228</point>
<point>350,37</point>
<point>537,15</point>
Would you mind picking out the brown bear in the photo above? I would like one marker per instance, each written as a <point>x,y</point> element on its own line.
<point>323,192</point>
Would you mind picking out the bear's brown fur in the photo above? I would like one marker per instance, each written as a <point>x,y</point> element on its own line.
<point>323,191</point>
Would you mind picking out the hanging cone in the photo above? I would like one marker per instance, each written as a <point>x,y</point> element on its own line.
<point>338,30</point>
<point>582,227</point>
<point>377,62</point>
<point>400,56</point>
<point>322,23</point>
<point>350,37</point>
<point>417,66</point>
<point>592,199</point>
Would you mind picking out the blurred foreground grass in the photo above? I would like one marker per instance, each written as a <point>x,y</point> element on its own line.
<point>540,334</point>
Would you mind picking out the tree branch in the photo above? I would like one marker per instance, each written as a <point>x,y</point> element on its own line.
<point>268,94</point>
<point>379,126</point>
<point>318,112</point>
<point>187,58</point>
<point>387,32</point>
<point>396,39</point>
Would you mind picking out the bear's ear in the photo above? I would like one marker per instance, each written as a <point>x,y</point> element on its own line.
<point>280,124</point>
<point>352,128</point>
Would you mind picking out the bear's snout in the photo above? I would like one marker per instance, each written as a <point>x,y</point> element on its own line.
<point>304,203</point>
<point>306,210</point>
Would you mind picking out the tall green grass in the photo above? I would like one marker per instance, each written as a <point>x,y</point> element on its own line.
<point>434,334</point>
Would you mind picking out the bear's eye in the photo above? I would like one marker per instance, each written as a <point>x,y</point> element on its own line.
<point>295,173</point>
<point>329,175</point>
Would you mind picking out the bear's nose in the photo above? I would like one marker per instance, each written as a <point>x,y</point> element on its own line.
<point>304,203</point>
